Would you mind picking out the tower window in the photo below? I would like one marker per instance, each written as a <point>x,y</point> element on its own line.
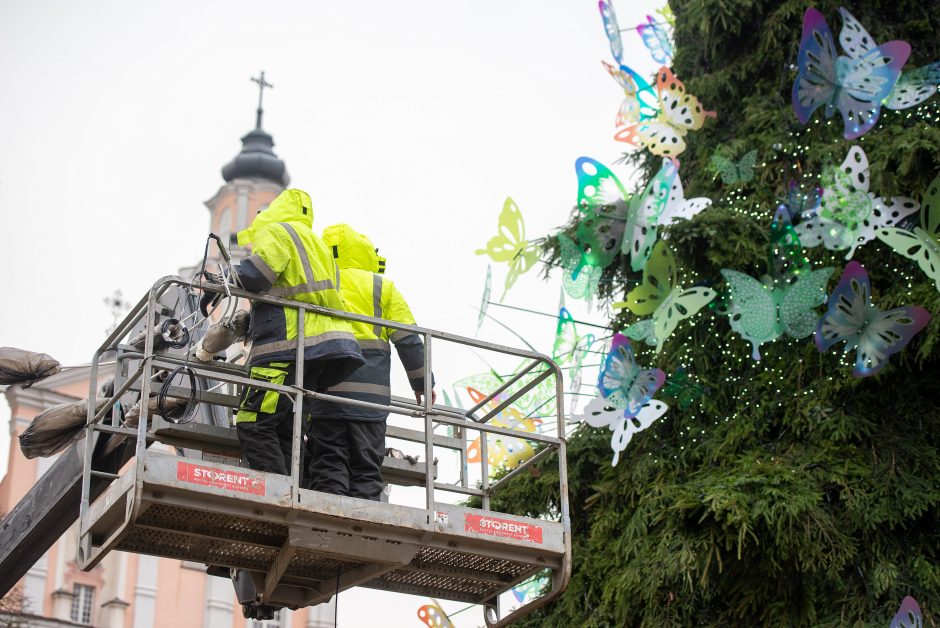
<point>82,603</point>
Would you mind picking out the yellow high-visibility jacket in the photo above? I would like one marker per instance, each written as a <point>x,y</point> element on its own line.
<point>288,260</point>
<point>365,291</point>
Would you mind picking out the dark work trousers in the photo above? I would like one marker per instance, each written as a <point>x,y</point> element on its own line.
<point>266,441</point>
<point>345,457</point>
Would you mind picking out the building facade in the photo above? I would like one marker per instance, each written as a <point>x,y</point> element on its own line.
<point>134,590</point>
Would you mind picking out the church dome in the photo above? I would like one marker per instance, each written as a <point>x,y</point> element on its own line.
<point>257,160</point>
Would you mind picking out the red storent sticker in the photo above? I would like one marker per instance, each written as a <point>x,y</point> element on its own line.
<point>502,527</point>
<point>219,478</point>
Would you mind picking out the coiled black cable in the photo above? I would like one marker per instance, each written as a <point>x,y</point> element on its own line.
<point>167,336</point>
<point>189,410</point>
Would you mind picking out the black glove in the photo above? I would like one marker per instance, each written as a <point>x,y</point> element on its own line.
<point>207,299</point>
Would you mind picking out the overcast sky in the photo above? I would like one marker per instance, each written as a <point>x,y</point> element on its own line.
<point>412,121</point>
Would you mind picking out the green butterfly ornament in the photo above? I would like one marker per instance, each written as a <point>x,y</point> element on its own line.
<point>763,310</point>
<point>850,215</point>
<point>733,173</point>
<point>923,244</point>
<point>659,296</point>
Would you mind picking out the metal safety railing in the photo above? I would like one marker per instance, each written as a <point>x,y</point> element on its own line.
<point>475,419</point>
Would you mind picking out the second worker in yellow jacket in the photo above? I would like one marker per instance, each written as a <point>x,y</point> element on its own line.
<point>346,444</point>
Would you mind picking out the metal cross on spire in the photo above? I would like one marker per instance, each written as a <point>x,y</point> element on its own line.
<point>261,85</point>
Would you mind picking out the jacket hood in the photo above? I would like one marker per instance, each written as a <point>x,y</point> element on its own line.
<point>290,206</point>
<point>351,249</point>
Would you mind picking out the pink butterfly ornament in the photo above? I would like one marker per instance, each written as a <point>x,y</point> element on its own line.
<point>855,83</point>
<point>852,318</point>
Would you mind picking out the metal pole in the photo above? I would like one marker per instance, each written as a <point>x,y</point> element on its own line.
<point>428,430</point>
<point>485,469</point>
<point>297,436</point>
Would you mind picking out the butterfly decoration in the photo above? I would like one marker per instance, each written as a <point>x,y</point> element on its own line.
<point>622,383</point>
<point>570,348</point>
<point>923,244</point>
<point>659,296</point>
<point>855,83</point>
<point>914,87</point>
<point>530,589</point>
<point>656,40</point>
<point>783,301</point>
<point>801,205</point>
<point>503,451</point>
<point>908,615</point>
<point>677,114</point>
<point>600,413</point>
<point>485,300</point>
<point>510,245</point>
<point>529,402</point>
<point>852,317</point>
<point>680,387</point>
<point>786,258</point>
<point>666,13</point>
<point>849,214</point>
<point>434,616</point>
<point>612,28</point>
<point>579,279</point>
<point>604,206</point>
<point>639,97</point>
<point>735,172</point>
<point>662,202</point>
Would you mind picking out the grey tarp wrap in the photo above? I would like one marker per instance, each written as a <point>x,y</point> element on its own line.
<point>133,414</point>
<point>25,367</point>
<point>56,428</point>
<point>221,336</point>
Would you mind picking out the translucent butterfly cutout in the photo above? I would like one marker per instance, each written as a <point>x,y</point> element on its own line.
<point>735,172</point>
<point>485,299</point>
<point>622,383</point>
<point>908,615</point>
<point>612,29</point>
<point>579,279</point>
<point>434,616</point>
<point>503,451</point>
<point>852,317</point>
<point>849,214</point>
<point>855,84</point>
<point>661,203</point>
<point>531,588</point>
<point>659,296</point>
<point>570,348</point>
<point>782,302</point>
<point>599,413</point>
<point>657,40</point>
<point>529,402</point>
<point>923,244</point>
<point>604,207</point>
<point>914,87</point>
<point>677,114</point>
<point>510,245</point>
<point>639,97</point>
<point>801,205</point>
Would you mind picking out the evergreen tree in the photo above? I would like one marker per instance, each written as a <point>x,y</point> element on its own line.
<point>791,493</point>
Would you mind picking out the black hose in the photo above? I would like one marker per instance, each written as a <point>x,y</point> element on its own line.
<point>189,411</point>
<point>165,332</point>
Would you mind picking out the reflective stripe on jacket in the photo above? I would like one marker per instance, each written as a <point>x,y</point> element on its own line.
<point>289,261</point>
<point>366,292</point>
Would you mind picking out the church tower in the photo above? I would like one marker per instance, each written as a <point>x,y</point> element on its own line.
<point>253,179</point>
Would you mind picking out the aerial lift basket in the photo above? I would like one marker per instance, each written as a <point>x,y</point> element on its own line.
<point>294,547</point>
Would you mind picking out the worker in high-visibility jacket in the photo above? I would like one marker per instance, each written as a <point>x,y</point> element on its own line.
<point>288,260</point>
<point>346,444</point>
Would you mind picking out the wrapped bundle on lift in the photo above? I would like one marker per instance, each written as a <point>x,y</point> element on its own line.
<point>56,428</point>
<point>18,366</point>
<point>222,335</point>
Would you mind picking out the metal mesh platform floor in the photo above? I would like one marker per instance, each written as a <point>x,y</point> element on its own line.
<point>308,538</point>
